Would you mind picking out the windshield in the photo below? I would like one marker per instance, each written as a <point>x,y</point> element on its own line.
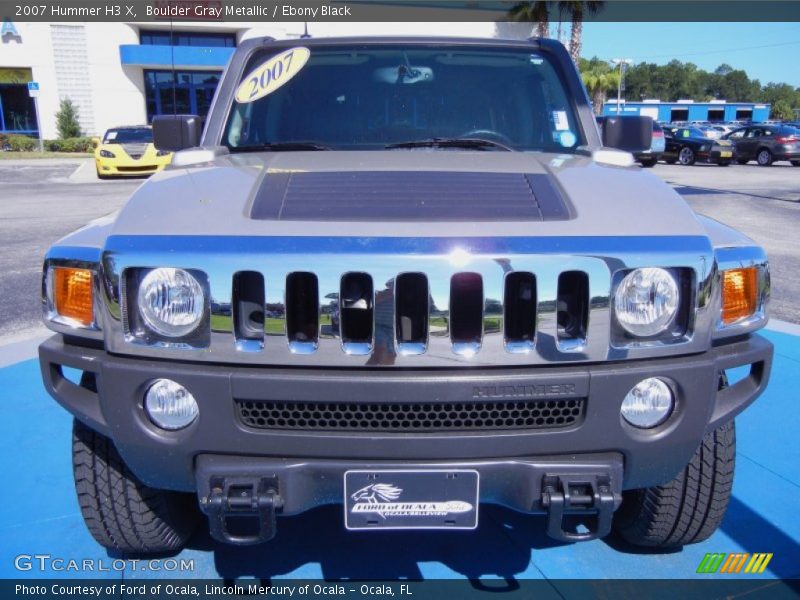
<point>368,97</point>
<point>129,135</point>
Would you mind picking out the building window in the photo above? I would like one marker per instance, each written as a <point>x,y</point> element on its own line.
<point>190,95</point>
<point>17,111</point>
<point>149,37</point>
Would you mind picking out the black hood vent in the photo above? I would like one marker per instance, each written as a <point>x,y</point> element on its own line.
<point>408,196</point>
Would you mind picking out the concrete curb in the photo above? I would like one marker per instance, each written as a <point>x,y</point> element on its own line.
<point>783,327</point>
<point>84,173</point>
<point>21,347</point>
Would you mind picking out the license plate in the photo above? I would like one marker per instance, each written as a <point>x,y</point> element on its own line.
<point>725,154</point>
<point>411,499</point>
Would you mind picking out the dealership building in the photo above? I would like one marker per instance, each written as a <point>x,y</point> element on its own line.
<point>122,73</point>
<point>688,110</point>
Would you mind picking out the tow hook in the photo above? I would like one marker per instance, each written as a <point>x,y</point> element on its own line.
<point>565,495</point>
<point>242,498</point>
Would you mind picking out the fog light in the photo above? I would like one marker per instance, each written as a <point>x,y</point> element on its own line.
<point>170,405</point>
<point>648,404</point>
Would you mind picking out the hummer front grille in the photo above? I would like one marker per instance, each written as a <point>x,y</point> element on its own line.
<point>403,302</point>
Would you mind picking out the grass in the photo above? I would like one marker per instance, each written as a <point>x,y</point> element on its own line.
<point>273,327</point>
<point>18,155</point>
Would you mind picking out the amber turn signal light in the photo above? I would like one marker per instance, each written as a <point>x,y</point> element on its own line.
<point>739,294</point>
<point>73,295</point>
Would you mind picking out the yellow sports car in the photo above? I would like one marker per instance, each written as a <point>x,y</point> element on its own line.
<point>128,151</point>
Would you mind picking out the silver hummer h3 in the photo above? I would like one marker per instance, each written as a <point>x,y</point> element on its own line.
<point>408,277</point>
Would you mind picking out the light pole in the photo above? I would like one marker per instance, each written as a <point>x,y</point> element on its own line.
<point>622,62</point>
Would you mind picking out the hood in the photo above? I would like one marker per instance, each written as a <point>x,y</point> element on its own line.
<point>406,193</point>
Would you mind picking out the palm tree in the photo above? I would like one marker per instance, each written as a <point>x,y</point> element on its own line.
<point>535,12</point>
<point>598,82</point>
<point>577,10</point>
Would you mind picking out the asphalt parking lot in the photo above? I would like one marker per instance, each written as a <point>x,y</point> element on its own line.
<point>39,204</point>
<point>41,201</point>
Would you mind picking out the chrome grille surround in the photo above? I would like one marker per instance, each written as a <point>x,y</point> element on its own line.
<point>383,259</point>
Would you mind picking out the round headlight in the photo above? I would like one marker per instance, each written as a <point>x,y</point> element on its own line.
<point>170,405</point>
<point>646,301</point>
<point>648,404</point>
<point>171,302</point>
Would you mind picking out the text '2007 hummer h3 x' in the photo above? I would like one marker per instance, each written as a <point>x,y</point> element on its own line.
<point>409,277</point>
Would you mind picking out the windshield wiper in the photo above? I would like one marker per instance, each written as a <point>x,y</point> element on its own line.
<point>452,143</point>
<point>281,147</point>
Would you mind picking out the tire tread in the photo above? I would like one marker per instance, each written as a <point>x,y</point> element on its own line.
<point>120,511</point>
<point>689,508</point>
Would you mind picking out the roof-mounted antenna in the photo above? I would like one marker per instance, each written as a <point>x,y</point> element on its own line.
<point>305,35</point>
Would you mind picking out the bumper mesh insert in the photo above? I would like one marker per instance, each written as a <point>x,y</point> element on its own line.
<point>411,417</point>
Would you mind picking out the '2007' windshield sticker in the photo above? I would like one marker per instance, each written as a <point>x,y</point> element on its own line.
<point>560,120</point>
<point>567,139</point>
<point>271,75</point>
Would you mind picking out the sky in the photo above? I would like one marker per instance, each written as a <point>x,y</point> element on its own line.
<point>766,51</point>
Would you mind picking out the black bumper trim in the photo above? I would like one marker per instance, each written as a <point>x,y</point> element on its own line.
<point>167,459</point>
<point>302,485</point>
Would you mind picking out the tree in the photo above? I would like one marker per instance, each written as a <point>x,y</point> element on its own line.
<point>577,10</point>
<point>599,79</point>
<point>773,92</point>
<point>723,69</point>
<point>67,120</point>
<point>535,12</point>
<point>782,110</point>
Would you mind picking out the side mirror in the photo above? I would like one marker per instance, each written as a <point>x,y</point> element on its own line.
<point>632,134</point>
<point>95,142</point>
<point>176,132</point>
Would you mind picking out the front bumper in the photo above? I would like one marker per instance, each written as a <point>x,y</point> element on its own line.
<point>169,460</point>
<point>128,168</point>
<point>717,155</point>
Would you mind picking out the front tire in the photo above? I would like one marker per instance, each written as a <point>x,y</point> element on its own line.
<point>689,508</point>
<point>764,157</point>
<point>686,156</point>
<point>648,163</point>
<point>796,163</point>
<point>120,511</point>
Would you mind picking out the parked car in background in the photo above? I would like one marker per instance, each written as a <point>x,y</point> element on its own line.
<point>688,145</point>
<point>128,151</point>
<point>710,131</point>
<point>766,143</point>
<point>650,157</point>
<point>723,128</point>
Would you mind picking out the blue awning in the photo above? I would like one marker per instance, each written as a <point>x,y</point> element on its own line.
<point>182,57</point>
